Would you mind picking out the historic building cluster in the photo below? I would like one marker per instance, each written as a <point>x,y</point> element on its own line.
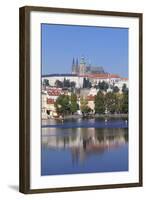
<point>82,68</point>
<point>54,85</point>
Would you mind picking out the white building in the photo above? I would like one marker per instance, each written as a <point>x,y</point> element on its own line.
<point>61,77</point>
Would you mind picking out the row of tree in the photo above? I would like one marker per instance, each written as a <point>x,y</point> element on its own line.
<point>111,102</point>
<point>104,103</point>
<point>66,83</point>
<point>66,104</point>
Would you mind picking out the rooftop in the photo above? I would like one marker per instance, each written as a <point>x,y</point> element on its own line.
<point>98,76</point>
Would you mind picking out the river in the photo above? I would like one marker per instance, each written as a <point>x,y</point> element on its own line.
<point>84,146</point>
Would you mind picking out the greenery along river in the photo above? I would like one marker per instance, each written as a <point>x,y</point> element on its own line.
<point>84,146</point>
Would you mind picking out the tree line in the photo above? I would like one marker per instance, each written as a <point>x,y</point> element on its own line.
<point>109,102</point>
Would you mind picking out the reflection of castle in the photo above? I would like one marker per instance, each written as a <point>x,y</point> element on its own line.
<point>82,68</point>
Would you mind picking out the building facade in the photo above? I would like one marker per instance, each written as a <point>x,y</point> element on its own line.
<point>82,67</point>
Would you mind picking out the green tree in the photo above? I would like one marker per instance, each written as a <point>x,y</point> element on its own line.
<point>86,83</point>
<point>46,82</point>
<point>62,104</point>
<point>116,89</point>
<point>124,88</point>
<point>103,86</point>
<point>124,107</point>
<point>84,106</point>
<point>72,84</point>
<point>58,84</point>
<point>66,83</point>
<point>119,102</point>
<point>111,102</point>
<point>73,103</point>
<point>99,103</point>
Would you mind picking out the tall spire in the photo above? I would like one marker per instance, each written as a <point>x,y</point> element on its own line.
<point>73,62</point>
<point>77,63</point>
<point>77,66</point>
<point>73,67</point>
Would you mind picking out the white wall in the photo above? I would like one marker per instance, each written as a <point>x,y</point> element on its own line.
<point>76,79</point>
<point>9,59</point>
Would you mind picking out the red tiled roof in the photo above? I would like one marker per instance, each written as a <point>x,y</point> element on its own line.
<point>54,92</point>
<point>114,76</point>
<point>124,79</point>
<point>50,101</point>
<point>101,76</point>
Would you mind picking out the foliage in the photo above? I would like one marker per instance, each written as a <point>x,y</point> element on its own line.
<point>111,101</point>
<point>116,89</point>
<point>99,103</point>
<point>84,106</point>
<point>59,84</point>
<point>73,103</point>
<point>103,86</point>
<point>119,102</point>
<point>124,88</point>
<point>46,82</point>
<point>65,83</point>
<point>86,83</point>
<point>124,107</point>
<point>62,104</point>
<point>72,84</point>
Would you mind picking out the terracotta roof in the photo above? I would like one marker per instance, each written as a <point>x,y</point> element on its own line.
<point>124,79</point>
<point>114,76</point>
<point>101,76</point>
<point>54,92</point>
<point>50,101</point>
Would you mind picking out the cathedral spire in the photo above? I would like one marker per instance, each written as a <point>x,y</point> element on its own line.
<point>73,62</point>
<point>77,63</point>
<point>73,66</point>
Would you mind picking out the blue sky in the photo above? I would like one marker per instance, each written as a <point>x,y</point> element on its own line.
<point>101,46</point>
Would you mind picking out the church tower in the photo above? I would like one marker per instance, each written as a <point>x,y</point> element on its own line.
<point>77,66</point>
<point>82,66</point>
<point>73,67</point>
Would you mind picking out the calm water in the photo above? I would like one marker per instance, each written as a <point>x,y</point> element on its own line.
<point>84,146</point>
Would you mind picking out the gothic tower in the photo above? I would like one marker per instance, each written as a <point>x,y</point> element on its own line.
<point>73,67</point>
<point>77,66</point>
<point>82,66</point>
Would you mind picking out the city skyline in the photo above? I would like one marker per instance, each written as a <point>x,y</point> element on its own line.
<point>106,47</point>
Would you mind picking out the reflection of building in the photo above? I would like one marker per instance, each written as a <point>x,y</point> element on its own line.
<point>85,141</point>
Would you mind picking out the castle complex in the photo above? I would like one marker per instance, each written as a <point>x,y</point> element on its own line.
<point>81,68</point>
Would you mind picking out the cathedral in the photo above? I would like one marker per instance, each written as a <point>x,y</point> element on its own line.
<point>82,68</point>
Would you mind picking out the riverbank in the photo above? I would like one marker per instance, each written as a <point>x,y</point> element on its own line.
<point>112,116</point>
<point>96,116</point>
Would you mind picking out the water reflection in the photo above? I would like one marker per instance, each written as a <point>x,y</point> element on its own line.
<point>85,123</point>
<point>84,142</point>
